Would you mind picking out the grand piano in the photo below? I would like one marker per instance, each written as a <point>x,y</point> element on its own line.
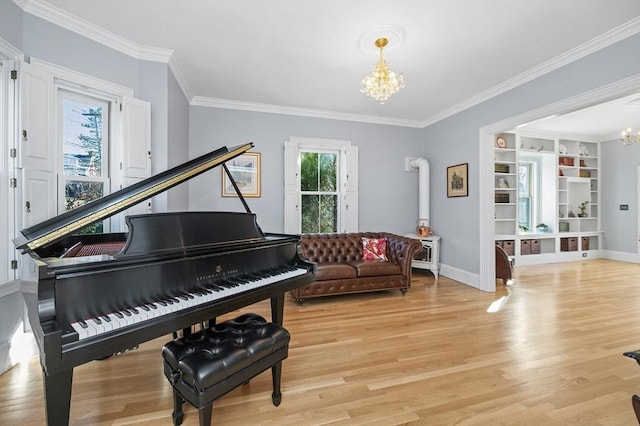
<point>102,294</point>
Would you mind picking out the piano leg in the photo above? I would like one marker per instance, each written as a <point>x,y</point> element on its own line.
<point>277,309</point>
<point>57,396</point>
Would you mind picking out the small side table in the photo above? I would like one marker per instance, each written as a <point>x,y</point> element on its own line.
<point>429,257</point>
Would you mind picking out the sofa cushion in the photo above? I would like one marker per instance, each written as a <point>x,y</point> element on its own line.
<point>372,268</point>
<point>374,248</point>
<point>335,271</point>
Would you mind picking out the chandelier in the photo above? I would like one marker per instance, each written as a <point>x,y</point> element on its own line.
<point>627,139</point>
<point>383,82</point>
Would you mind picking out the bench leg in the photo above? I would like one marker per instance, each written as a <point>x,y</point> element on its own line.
<point>276,374</point>
<point>205,415</point>
<point>177,415</point>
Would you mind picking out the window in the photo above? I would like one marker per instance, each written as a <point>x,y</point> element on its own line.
<point>319,191</point>
<point>525,213</point>
<point>84,125</point>
<point>321,186</point>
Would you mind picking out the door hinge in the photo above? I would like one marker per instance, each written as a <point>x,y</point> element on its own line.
<point>12,153</point>
<point>120,107</point>
<point>14,74</point>
<point>13,183</point>
<point>14,264</point>
<point>24,135</point>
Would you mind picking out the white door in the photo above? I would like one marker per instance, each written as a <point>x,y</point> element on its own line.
<point>37,145</point>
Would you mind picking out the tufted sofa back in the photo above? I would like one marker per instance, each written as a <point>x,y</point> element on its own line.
<point>347,247</point>
<point>334,248</point>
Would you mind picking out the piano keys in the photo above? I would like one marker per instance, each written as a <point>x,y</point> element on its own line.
<point>102,294</point>
<point>214,290</point>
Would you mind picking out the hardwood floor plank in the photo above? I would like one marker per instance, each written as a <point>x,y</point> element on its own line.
<point>550,355</point>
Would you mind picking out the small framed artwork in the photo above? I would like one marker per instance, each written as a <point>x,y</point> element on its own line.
<point>245,170</point>
<point>458,180</point>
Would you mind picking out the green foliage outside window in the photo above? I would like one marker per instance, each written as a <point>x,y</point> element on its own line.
<point>318,184</point>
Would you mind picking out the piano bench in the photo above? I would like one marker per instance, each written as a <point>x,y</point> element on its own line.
<point>206,365</point>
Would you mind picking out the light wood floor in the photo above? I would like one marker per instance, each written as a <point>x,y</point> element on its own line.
<point>551,356</point>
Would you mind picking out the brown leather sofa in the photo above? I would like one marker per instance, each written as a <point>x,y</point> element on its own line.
<point>341,268</point>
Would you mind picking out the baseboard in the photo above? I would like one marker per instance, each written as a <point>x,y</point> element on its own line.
<point>5,360</point>
<point>460,275</point>
<point>620,256</point>
<point>9,288</point>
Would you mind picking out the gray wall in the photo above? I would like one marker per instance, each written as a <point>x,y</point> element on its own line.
<point>149,80</point>
<point>619,186</point>
<point>387,194</point>
<point>178,135</point>
<point>11,23</point>
<point>44,40</point>
<point>455,140</point>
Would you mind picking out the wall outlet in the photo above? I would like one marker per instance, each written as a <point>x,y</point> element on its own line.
<point>624,206</point>
<point>584,254</point>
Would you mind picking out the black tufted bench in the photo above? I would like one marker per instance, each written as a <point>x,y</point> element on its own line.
<point>205,365</point>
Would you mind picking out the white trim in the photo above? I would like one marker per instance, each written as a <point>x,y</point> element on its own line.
<point>303,112</point>
<point>80,26</point>
<point>347,192</point>
<point>9,51</point>
<point>175,67</point>
<point>76,78</point>
<point>601,94</point>
<point>64,19</point>
<point>613,36</point>
<point>620,256</point>
<point>314,143</point>
<point>98,34</point>
<point>9,288</point>
<point>460,275</point>
<point>610,37</point>
<point>486,214</point>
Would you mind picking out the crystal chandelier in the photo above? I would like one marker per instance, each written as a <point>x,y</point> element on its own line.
<point>383,82</point>
<point>626,137</point>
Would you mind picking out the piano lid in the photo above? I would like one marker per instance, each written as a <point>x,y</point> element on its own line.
<point>58,227</point>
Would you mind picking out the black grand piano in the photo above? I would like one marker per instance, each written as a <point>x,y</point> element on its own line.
<point>102,294</point>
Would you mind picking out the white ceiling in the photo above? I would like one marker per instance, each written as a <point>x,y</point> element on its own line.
<point>604,121</point>
<point>302,56</point>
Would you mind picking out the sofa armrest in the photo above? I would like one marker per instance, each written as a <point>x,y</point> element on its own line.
<point>402,250</point>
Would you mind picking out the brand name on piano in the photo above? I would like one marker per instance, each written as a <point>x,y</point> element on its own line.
<point>218,272</point>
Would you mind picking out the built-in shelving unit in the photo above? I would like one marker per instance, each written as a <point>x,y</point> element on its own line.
<point>573,229</point>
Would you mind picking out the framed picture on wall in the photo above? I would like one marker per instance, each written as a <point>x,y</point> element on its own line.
<point>458,180</point>
<point>245,170</point>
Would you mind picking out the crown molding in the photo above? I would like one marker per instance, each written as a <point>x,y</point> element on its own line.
<point>592,97</point>
<point>8,50</point>
<point>304,112</point>
<point>57,16</point>
<point>175,68</point>
<point>604,40</point>
<point>93,32</point>
<point>46,11</point>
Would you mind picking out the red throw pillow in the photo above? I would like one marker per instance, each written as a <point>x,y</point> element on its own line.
<point>374,248</point>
